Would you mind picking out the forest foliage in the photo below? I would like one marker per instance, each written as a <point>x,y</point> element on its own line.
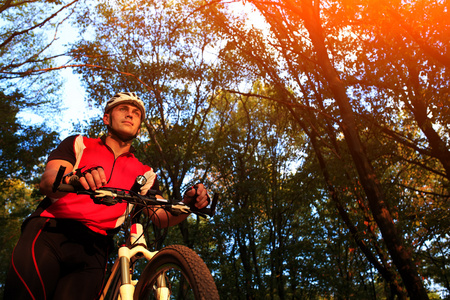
<point>325,131</point>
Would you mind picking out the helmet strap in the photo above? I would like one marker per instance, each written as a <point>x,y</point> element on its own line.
<point>126,138</point>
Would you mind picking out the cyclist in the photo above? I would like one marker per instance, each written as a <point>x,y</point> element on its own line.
<point>64,245</point>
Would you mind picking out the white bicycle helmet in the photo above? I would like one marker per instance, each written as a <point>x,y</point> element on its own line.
<point>126,97</point>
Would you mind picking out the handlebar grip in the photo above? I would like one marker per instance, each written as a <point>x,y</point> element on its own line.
<point>68,188</point>
<point>58,178</point>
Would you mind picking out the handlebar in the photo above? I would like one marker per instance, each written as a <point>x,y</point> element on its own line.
<point>110,196</point>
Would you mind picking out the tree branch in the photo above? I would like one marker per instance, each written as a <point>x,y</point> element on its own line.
<point>17,33</point>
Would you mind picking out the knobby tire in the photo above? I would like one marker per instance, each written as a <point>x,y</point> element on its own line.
<point>195,276</point>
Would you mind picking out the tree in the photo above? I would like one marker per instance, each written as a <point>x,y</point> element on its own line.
<point>337,89</point>
<point>24,48</point>
<point>30,48</point>
<point>23,151</point>
<point>18,201</point>
<point>316,40</point>
<point>31,41</point>
<point>23,148</point>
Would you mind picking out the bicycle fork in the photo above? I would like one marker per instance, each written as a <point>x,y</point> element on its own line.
<point>162,291</point>
<point>138,250</point>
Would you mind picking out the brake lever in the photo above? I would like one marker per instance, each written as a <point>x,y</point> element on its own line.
<point>104,193</point>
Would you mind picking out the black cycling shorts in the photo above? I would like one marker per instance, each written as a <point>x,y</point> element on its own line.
<point>57,259</point>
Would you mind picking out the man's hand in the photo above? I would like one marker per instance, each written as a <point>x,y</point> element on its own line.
<point>90,179</point>
<point>198,194</point>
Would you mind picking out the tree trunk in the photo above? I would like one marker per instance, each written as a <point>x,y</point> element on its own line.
<point>420,112</point>
<point>401,256</point>
<point>387,275</point>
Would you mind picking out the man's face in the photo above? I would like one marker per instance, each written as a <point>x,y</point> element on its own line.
<point>125,119</point>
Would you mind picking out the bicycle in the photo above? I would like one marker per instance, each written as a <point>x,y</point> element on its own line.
<point>174,272</point>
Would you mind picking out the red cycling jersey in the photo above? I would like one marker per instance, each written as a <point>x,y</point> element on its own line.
<point>120,172</point>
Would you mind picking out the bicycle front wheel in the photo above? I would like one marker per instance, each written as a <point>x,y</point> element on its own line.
<point>176,272</point>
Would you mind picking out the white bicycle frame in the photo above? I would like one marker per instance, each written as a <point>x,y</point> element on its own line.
<point>137,250</point>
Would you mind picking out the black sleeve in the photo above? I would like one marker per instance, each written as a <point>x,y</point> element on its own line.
<point>65,150</point>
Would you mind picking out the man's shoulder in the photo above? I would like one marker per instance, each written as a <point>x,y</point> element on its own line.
<point>88,140</point>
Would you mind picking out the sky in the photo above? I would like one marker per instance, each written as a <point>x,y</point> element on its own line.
<point>75,106</point>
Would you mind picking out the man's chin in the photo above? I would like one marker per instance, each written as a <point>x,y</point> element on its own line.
<point>122,136</point>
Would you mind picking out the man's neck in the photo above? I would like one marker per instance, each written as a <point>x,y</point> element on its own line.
<point>118,146</point>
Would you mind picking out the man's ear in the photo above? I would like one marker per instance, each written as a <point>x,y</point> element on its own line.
<point>106,119</point>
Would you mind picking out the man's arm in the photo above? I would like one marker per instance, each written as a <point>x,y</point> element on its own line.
<point>93,179</point>
<point>163,219</point>
<point>48,178</point>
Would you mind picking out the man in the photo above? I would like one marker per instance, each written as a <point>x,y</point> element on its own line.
<point>64,245</point>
